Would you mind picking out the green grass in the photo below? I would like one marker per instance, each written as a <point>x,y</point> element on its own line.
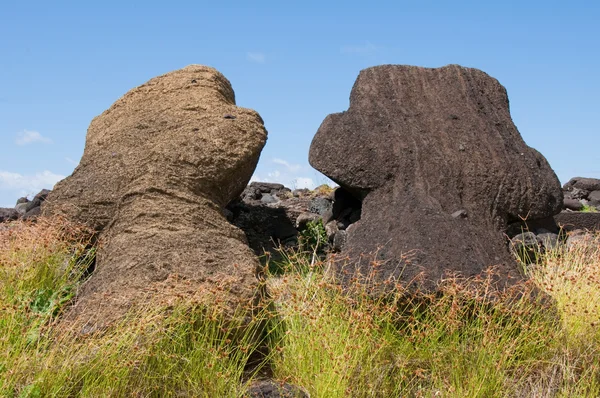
<point>588,209</point>
<point>456,343</point>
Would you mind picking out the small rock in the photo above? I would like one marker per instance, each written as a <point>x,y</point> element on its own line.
<point>298,193</point>
<point>251,193</point>
<point>8,214</point>
<point>320,205</point>
<point>339,240</point>
<point>548,240</point>
<point>572,204</point>
<point>594,196</point>
<point>305,218</point>
<point>460,214</point>
<point>588,184</point>
<point>268,198</point>
<point>33,213</point>
<point>267,187</point>
<point>38,199</point>
<point>525,246</point>
<point>22,200</point>
<point>331,229</point>
<point>21,208</point>
<point>577,237</point>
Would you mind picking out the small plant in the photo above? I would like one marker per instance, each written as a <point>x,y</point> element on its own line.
<point>588,209</point>
<point>323,190</point>
<point>313,238</point>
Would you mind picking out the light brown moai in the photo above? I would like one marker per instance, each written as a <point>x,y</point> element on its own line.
<point>158,167</point>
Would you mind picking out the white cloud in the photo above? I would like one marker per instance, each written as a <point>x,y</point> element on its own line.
<point>274,174</point>
<point>26,137</point>
<point>291,167</point>
<point>304,182</point>
<point>259,58</point>
<point>15,185</point>
<point>362,49</point>
<point>71,161</point>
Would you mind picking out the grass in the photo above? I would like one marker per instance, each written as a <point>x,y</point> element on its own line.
<point>588,209</point>
<point>333,343</point>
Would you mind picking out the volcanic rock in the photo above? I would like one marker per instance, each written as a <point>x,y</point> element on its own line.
<point>417,145</point>
<point>157,170</point>
<point>587,184</point>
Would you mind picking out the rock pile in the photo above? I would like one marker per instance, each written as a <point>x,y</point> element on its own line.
<point>25,209</point>
<point>272,215</point>
<point>158,168</point>
<point>581,210</point>
<point>440,171</point>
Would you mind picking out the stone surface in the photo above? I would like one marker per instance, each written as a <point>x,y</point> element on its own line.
<point>21,208</point>
<point>587,184</point>
<point>158,167</point>
<point>571,221</point>
<point>526,246</point>
<point>8,214</point>
<point>572,204</point>
<point>594,196</point>
<point>417,145</point>
<point>37,200</point>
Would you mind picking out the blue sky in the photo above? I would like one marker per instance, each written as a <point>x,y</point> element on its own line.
<point>64,62</point>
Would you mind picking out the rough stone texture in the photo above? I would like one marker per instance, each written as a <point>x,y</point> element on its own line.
<point>582,183</point>
<point>594,196</point>
<point>8,214</point>
<point>158,167</point>
<point>37,200</point>
<point>572,204</point>
<point>417,145</point>
<point>571,221</point>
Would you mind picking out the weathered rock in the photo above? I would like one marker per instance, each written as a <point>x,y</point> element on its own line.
<point>158,167</point>
<point>22,200</point>
<point>339,240</point>
<point>587,184</point>
<point>331,228</point>
<point>21,208</point>
<point>525,246</point>
<point>320,205</point>
<point>594,196</point>
<point>572,204</point>
<point>266,227</point>
<point>541,225</point>
<point>548,240</point>
<point>571,221</point>
<point>415,146</point>
<point>8,214</point>
<point>305,218</point>
<point>32,214</point>
<point>575,193</point>
<point>37,200</point>
<point>268,198</point>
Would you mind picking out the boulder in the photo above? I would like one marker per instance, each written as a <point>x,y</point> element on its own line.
<point>572,204</point>
<point>585,184</point>
<point>571,221</point>
<point>594,196</point>
<point>158,168</point>
<point>8,214</point>
<point>417,145</point>
<point>37,200</point>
